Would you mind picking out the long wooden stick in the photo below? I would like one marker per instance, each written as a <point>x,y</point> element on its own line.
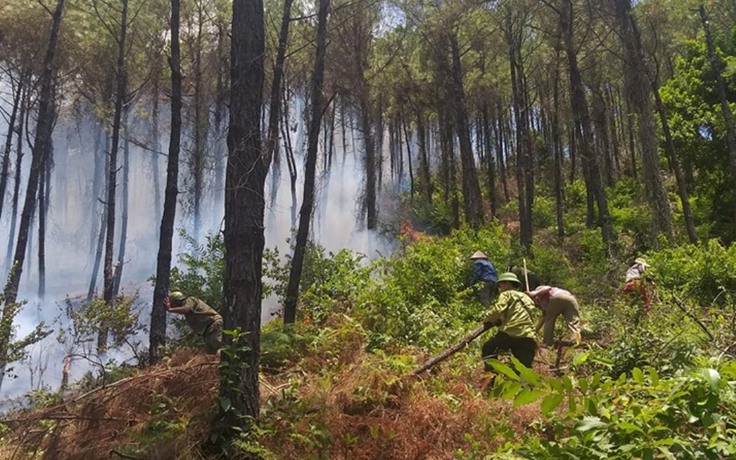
<point>452,350</point>
<point>526,276</point>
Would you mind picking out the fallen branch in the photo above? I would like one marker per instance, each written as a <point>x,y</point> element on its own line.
<point>452,350</point>
<point>122,455</point>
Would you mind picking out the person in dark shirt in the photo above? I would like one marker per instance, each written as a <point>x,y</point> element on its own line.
<point>485,272</point>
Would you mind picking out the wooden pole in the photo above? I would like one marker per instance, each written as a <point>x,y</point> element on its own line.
<point>452,350</point>
<point>526,275</point>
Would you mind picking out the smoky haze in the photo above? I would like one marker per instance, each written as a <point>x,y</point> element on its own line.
<point>75,212</point>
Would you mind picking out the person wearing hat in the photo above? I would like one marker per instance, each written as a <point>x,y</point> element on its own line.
<point>554,302</point>
<point>484,271</point>
<point>634,283</point>
<point>512,314</point>
<point>203,319</point>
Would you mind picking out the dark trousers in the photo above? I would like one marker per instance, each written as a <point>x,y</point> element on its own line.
<point>487,293</point>
<point>522,348</point>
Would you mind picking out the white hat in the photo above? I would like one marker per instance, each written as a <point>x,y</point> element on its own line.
<point>478,255</point>
<point>640,260</point>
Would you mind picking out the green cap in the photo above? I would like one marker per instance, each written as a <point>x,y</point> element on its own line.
<point>510,277</point>
<point>177,296</point>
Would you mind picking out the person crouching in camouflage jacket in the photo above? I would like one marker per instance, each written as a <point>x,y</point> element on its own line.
<point>203,319</point>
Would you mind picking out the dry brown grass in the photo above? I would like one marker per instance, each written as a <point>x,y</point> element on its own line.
<point>355,407</point>
<point>101,423</point>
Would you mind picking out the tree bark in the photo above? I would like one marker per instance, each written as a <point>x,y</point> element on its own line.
<point>371,174</point>
<point>315,121</point>
<point>425,177</point>
<point>490,163</point>
<point>22,122</point>
<point>118,275</point>
<point>244,209</point>
<point>157,336</point>
<point>44,196</point>
<point>501,149</point>
<point>583,131</point>
<point>290,163</point>
<point>18,92</point>
<point>108,290</point>
<point>44,128</point>
<point>637,92</point>
<point>472,205</point>
<point>407,139</point>
<point>274,111</point>
<point>201,128</point>
<point>155,133</point>
<point>523,136</point>
<point>559,181</point>
<point>100,166</point>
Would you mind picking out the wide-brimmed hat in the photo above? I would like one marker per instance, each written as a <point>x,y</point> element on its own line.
<point>177,296</point>
<point>641,261</point>
<point>478,255</point>
<point>510,277</point>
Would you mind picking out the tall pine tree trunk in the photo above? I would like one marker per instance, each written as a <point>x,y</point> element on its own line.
<point>305,214</point>
<point>371,168</point>
<point>490,163</point>
<point>157,336</point>
<point>201,128</point>
<point>118,275</point>
<point>637,92</point>
<point>44,196</point>
<point>22,122</point>
<point>100,168</point>
<point>155,132</point>
<point>407,138</point>
<point>42,140</point>
<point>244,209</point>
<point>583,132</point>
<point>108,289</point>
<point>472,204</point>
<point>425,177</point>
<point>274,111</point>
<point>557,142</point>
<point>523,140</point>
<point>17,93</point>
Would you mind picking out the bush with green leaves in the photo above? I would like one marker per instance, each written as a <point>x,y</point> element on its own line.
<point>330,278</point>
<point>202,268</point>
<point>422,295</point>
<point>282,347</point>
<point>689,415</point>
<point>705,272</point>
<point>88,318</point>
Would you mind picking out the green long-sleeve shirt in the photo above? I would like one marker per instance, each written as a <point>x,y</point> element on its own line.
<point>513,310</point>
<point>200,315</point>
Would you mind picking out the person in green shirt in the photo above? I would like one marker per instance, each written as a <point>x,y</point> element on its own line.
<point>203,319</point>
<point>512,314</point>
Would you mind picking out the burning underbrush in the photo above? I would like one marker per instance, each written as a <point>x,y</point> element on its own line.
<point>337,402</point>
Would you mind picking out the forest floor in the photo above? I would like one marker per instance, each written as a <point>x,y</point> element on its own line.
<point>164,412</point>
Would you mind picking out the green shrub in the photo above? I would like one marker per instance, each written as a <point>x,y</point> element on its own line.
<point>326,279</point>
<point>421,296</point>
<point>705,272</point>
<point>544,213</point>
<point>690,415</point>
